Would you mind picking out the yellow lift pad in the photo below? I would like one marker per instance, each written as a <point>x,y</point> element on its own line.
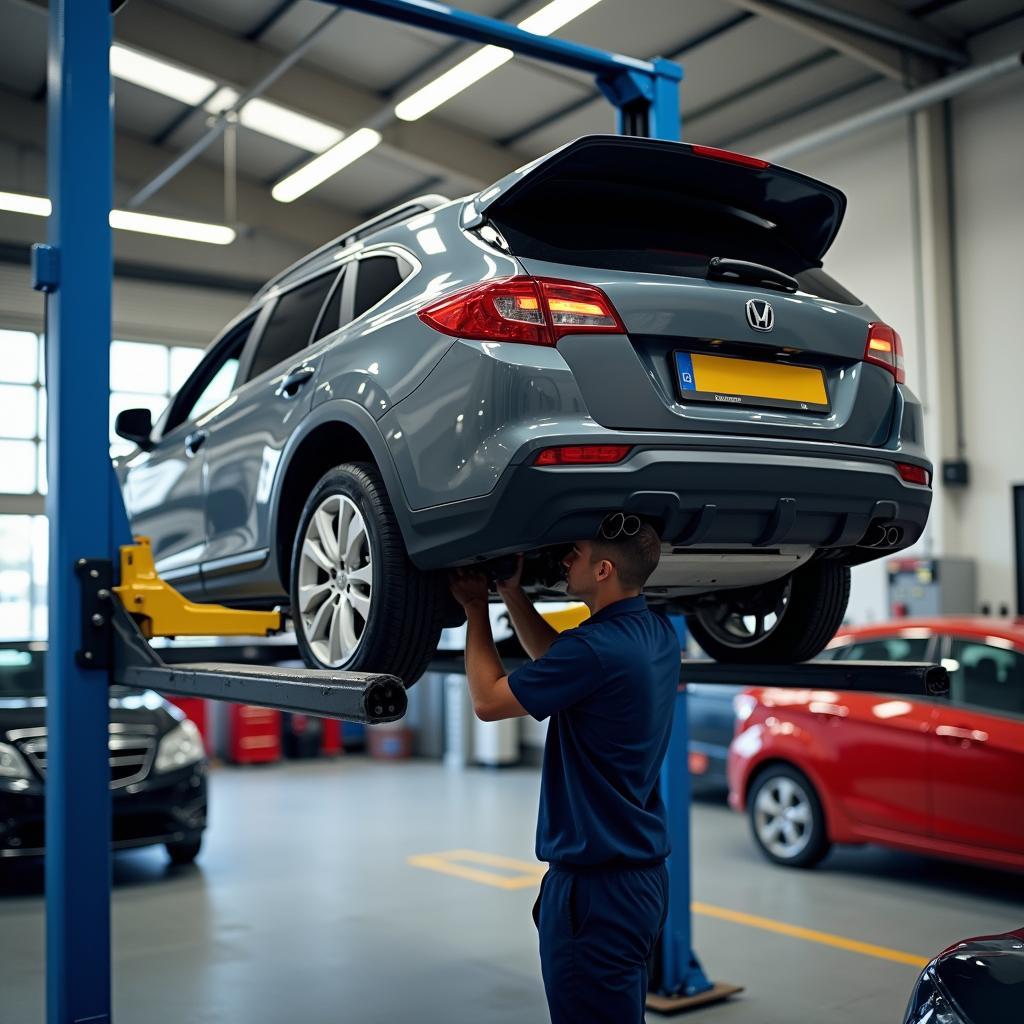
<point>566,618</point>
<point>162,611</point>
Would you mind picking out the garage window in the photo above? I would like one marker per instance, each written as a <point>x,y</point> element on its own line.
<point>378,277</point>
<point>987,677</point>
<point>290,327</point>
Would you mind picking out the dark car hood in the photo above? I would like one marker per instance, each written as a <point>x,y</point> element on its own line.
<point>983,977</point>
<point>128,707</point>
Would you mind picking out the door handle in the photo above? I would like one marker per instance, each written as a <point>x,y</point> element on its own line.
<point>194,442</point>
<point>294,380</point>
<point>953,732</point>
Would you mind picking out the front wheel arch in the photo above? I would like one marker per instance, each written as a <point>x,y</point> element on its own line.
<point>328,438</point>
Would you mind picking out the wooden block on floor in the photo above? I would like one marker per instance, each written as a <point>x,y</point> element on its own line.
<point>680,1004</point>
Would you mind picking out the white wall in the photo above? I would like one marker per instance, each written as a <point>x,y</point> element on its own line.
<point>874,256</point>
<point>988,138</point>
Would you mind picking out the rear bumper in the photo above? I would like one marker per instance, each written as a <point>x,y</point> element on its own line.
<point>827,497</point>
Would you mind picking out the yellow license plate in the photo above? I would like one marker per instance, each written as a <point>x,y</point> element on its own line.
<point>729,380</point>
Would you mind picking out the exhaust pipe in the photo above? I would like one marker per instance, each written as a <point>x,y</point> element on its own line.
<point>876,537</point>
<point>881,536</point>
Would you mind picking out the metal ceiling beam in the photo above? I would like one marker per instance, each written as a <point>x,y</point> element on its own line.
<point>877,19</point>
<point>927,95</point>
<point>221,121</point>
<point>883,56</point>
<point>197,191</point>
<point>427,146</point>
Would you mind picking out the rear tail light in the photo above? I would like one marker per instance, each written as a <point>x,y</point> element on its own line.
<point>582,455</point>
<point>885,348</point>
<point>532,310</point>
<point>913,474</point>
<point>730,157</point>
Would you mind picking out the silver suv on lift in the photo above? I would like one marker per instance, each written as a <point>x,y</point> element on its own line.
<point>623,324</point>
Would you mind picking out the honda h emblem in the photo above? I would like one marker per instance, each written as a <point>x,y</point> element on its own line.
<point>760,314</point>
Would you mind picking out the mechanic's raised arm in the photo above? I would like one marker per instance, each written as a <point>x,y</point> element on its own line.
<point>535,633</point>
<point>493,700</point>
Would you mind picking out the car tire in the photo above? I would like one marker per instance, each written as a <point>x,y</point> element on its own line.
<point>387,613</point>
<point>184,852</point>
<point>789,620</point>
<point>786,819</point>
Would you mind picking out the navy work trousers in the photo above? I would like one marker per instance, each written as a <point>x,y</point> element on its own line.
<point>597,932</point>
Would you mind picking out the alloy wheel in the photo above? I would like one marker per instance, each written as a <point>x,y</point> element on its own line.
<point>783,818</point>
<point>335,580</point>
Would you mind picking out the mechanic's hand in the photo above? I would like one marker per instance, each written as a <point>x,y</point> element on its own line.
<point>469,588</point>
<point>512,582</point>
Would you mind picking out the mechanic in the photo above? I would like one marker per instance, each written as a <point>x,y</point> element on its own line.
<point>608,687</point>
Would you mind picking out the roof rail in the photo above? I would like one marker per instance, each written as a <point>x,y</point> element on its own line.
<point>397,214</point>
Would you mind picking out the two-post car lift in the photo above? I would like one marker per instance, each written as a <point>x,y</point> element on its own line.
<point>105,598</point>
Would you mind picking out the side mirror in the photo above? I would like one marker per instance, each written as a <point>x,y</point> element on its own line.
<point>135,425</point>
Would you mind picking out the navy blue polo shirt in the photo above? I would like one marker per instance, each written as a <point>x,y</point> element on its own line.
<point>608,687</point>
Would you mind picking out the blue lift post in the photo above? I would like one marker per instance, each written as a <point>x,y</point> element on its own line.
<point>86,516</point>
<point>76,271</point>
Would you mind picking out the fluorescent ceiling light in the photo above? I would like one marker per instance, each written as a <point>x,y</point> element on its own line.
<point>451,83</point>
<point>127,220</point>
<point>278,122</point>
<point>168,79</point>
<point>37,206</point>
<point>321,168</point>
<point>554,15</point>
<point>172,227</point>
<point>548,19</point>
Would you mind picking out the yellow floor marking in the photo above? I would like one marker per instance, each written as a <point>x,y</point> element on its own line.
<point>808,934</point>
<point>448,864</point>
<point>452,862</point>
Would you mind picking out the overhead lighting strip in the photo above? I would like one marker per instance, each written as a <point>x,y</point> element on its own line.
<point>325,166</point>
<point>128,220</point>
<point>197,90</point>
<point>477,65</point>
<point>278,122</point>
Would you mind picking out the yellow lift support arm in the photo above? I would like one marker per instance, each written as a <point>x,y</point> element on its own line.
<point>161,611</point>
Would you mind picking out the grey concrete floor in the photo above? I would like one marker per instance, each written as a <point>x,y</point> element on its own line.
<point>303,908</point>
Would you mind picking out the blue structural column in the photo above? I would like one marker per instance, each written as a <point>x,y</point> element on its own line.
<point>680,973</point>
<point>79,508</point>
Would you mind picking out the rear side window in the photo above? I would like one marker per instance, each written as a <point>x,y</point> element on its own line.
<point>330,318</point>
<point>291,324</point>
<point>893,648</point>
<point>378,277</point>
<point>987,677</point>
<point>655,233</point>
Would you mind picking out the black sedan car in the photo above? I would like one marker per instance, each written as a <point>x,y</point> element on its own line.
<point>157,765</point>
<point>975,981</point>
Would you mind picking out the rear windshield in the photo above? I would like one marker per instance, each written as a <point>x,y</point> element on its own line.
<point>654,233</point>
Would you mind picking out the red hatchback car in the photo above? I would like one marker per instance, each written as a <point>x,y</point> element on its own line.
<point>937,776</point>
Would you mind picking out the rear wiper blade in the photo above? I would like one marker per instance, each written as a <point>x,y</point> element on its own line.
<point>721,268</point>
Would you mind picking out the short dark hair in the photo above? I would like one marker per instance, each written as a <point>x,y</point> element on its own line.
<point>634,557</point>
